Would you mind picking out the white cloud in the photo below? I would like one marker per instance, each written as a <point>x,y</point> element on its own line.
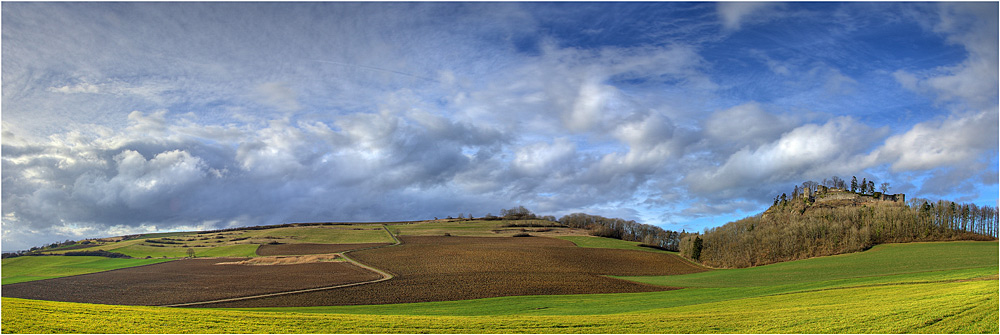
<point>78,88</point>
<point>278,95</point>
<point>974,81</point>
<point>955,141</point>
<point>746,125</point>
<point>808,151</point>
<point>542,159</point>
<point>734,13</point>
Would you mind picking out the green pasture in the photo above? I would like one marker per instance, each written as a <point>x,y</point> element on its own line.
<point>609,243</point>
<point>886,259</point>
<point>339,234</point>
<point>481,228</point>
<point>28,268</point>
<point>231,250</point>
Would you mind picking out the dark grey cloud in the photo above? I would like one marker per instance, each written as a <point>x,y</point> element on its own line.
<point>124,118</point>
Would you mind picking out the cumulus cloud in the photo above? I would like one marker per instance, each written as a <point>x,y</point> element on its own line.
<point>809,151</point>
<point>954,141</point>
<point>389,114</point>
<point>747,124</point>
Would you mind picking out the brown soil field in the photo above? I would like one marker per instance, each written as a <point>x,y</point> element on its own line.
<point>187,280</point>
<point>436,268</point>
<point>310,248</point>
<point>287,260</point>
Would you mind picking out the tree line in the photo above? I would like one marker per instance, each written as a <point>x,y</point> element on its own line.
<point>627,230</point>
<point>616,228</point>
<point>791,230</point>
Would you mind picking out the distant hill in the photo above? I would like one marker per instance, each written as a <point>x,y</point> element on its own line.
<point>822,221</point>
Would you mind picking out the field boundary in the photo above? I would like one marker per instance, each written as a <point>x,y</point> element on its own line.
<point>385,276</point>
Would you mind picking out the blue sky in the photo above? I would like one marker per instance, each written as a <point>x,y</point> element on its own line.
<point>123,118</point>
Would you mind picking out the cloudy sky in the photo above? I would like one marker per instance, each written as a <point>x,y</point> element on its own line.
<point>123,118</point>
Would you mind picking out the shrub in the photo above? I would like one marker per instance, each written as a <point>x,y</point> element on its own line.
<point>522,235</point>
<point>101,253</point>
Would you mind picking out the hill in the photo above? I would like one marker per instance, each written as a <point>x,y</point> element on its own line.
<point>821,221</point>
<point>951,288</point>
<point>518,275</point>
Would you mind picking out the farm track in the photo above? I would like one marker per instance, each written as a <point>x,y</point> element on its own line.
<point>193,282</point>
<point>188,280</point>
<point>308,251</point>
<point>424,268</point>
<point>434,268</point>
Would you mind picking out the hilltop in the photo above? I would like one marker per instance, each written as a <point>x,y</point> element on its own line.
<point>818,220</point>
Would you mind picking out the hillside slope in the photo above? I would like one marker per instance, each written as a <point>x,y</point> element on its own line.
<point>835,223</point>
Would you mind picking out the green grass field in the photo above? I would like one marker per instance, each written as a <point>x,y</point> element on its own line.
<point>947,287</point>
<point>477,228</point>
<point>886,259</point>
<point>28,268</point>
<point>332,235</point>
<point>955,307</point>
<point>456,228</point>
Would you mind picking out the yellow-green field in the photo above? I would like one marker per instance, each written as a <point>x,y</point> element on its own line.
<point>947,287</point>
<point>953,307</point>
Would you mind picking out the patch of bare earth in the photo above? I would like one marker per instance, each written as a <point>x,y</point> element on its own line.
<point>434,268</point>
<point>311,248</point>
<point>188,280</point>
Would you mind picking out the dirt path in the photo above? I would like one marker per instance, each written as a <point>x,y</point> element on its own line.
<point>385,276</point>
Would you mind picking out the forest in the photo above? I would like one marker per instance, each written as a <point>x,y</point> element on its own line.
<point>815,223</point>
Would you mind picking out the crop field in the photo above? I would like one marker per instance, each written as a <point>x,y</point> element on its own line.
<point>954,307</point>
<point>435,268</point>
<point>239,243</point>
<point>534,284</point>
<point>609,243</point>
<point>310,248</point>
<point>188,280</point>
<point>480,228</point>
<point>22,269</point>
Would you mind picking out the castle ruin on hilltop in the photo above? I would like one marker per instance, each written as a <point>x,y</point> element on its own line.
<point>832,193</point>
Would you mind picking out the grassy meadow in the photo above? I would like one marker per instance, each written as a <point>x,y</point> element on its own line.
<point>944,287</point>
<point>22,269</point>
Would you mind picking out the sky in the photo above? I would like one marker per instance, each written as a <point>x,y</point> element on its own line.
<point>123,118</point>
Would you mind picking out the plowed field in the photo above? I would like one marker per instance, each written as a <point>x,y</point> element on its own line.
<point>430,268</point>
<point>188,280</point>
<point>310,248</point>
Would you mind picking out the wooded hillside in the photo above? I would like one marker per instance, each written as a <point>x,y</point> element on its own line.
<point>811,225</point>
